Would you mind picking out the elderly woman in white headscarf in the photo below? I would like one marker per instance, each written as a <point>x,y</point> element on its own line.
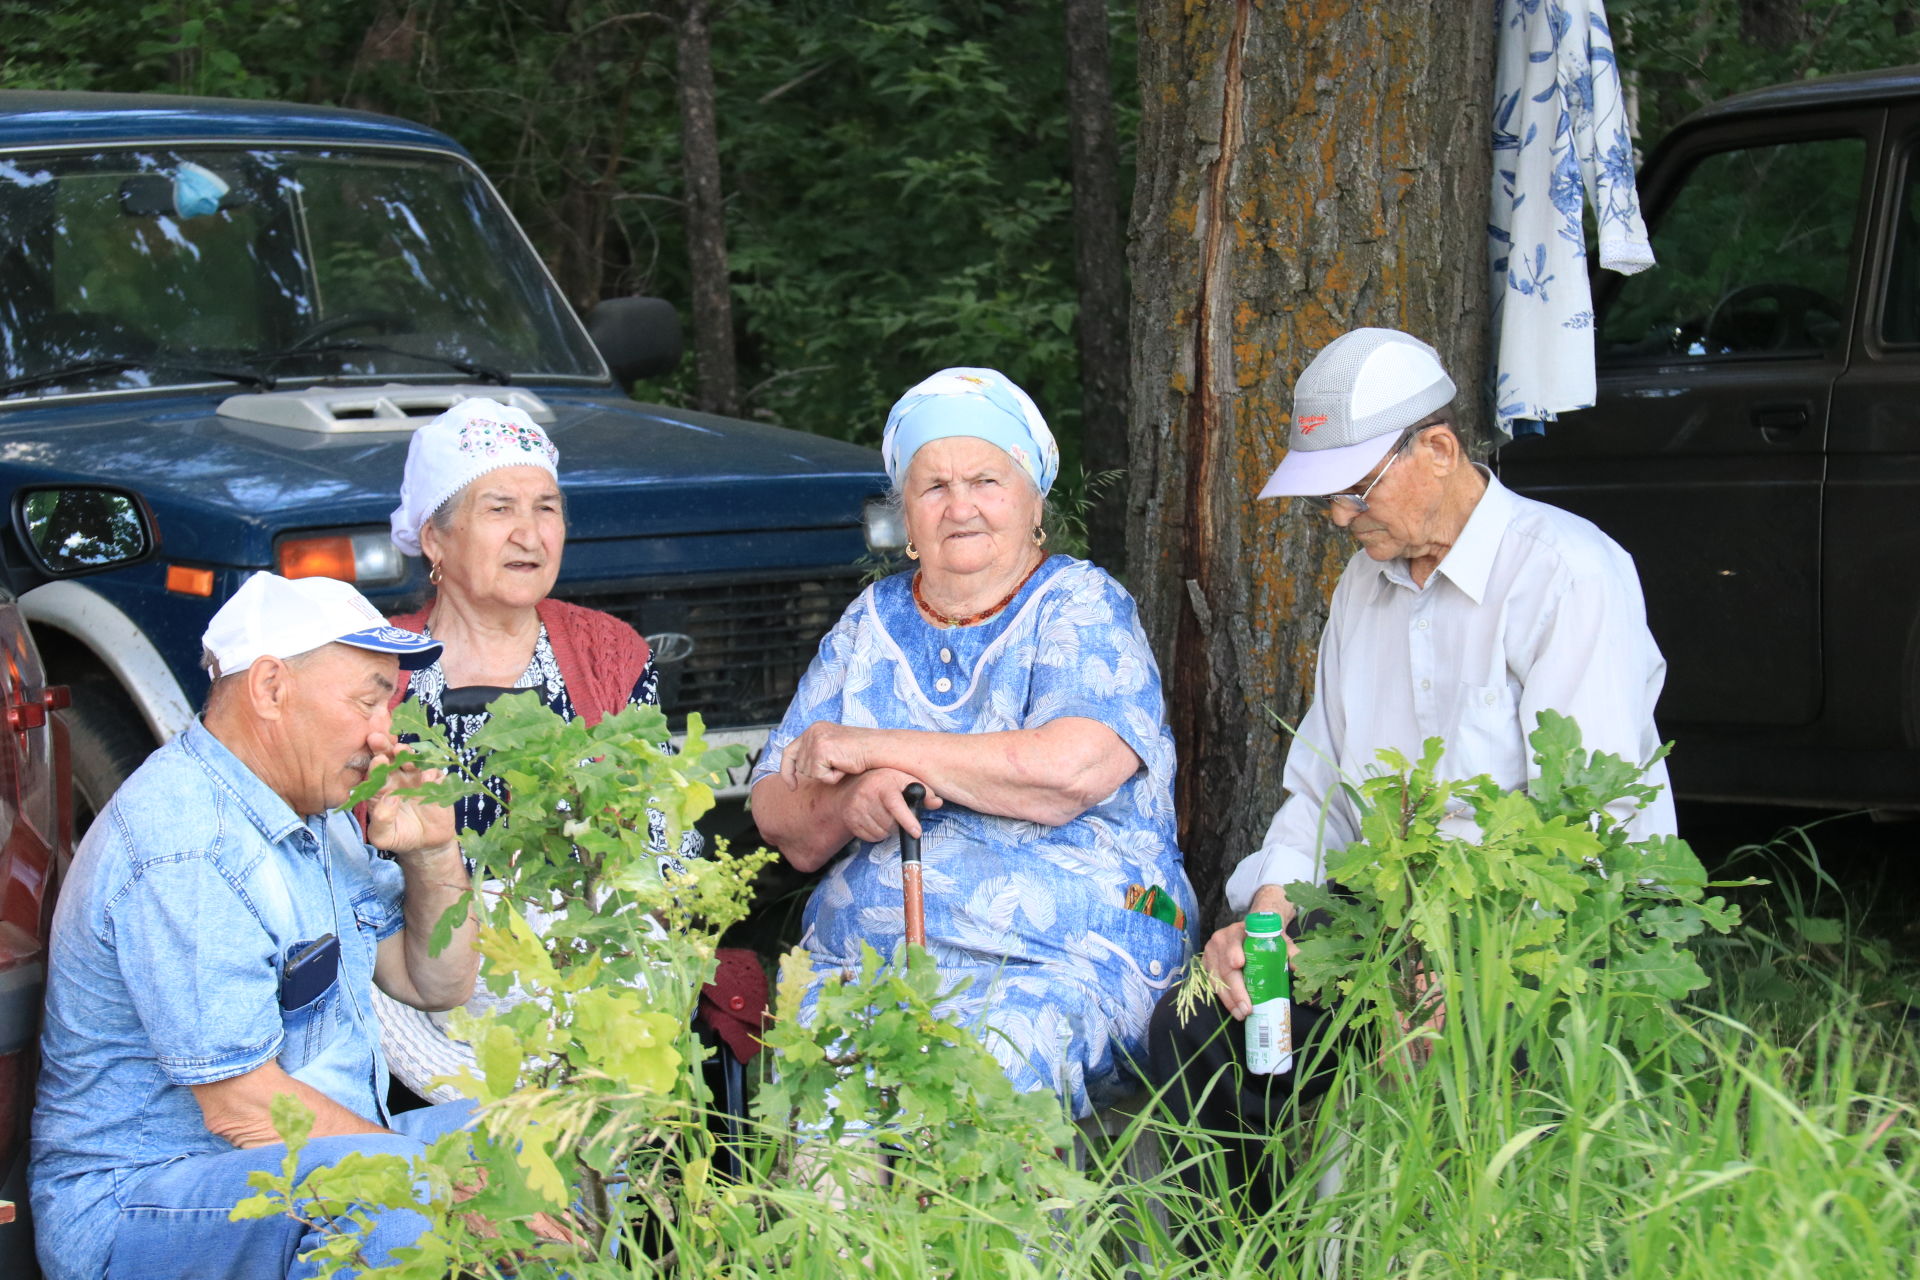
<point>1018,688</point>
<point>481,501</point>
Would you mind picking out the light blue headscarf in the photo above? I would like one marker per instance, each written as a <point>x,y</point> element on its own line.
<point>982,403</point>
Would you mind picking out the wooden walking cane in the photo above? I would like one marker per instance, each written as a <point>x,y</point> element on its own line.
<point>910,871</point>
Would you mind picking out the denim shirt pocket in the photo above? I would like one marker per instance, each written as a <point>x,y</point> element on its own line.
<point>307,1030</point>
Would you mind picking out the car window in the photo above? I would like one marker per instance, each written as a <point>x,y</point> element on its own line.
<point>124,268</point>
<point>1900,318</point>
<point>1753,256</point>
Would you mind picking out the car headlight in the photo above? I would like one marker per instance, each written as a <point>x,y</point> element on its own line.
<point>365,558</point>
<point>886,527</point>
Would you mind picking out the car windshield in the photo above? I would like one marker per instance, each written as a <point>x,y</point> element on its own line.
<point>154,266</point>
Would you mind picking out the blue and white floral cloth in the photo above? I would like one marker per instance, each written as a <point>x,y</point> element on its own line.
<point>1063,976</point>
<point>1560,134</point>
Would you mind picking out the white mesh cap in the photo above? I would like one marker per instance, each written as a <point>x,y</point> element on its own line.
<point>1350,406</point>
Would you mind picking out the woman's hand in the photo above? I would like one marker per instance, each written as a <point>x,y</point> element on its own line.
<point>874,808</point>
<point>826,752</point>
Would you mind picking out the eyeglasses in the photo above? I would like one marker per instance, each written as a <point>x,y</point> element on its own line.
<point>1357,502</point>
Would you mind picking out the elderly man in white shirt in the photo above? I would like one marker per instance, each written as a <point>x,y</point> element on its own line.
<point>1466,611</point>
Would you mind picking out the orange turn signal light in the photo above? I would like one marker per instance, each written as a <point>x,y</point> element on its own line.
<point>189,582</point>
<point>330,557</point>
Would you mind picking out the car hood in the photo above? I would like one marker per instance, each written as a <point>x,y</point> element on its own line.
<point>628,469</point>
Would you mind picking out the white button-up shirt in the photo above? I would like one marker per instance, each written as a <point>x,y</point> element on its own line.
<point>1533,608</point>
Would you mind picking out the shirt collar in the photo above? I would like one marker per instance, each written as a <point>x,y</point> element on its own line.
<point>1469,562</point>
<point>262,804</point>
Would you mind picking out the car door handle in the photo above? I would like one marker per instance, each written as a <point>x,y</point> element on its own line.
<point>1779,422</point>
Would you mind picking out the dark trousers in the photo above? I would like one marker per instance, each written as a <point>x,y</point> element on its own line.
<point>1199,1065</point>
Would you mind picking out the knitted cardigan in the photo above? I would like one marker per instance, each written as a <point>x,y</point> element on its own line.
<point>600,660</point>
<point>600,657</point>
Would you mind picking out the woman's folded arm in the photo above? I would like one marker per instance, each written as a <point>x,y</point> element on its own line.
<point>1051,774</point>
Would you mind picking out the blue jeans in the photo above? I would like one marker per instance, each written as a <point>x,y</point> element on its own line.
<point>173,1220</point>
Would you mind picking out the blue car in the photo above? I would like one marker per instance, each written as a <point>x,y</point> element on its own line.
<point>239,311</point>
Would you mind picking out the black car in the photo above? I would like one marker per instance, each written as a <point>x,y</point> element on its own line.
<point>1756,442</point>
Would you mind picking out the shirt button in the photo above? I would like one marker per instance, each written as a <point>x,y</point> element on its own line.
<point>1426,684</point>
<point>737,1003</point>
<point>946,655</point>
<point>1491,699</point>
<point>1421,625</point>
<point>1153,967</point>
<point>943,684</point>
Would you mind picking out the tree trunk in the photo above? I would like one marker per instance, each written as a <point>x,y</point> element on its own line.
<point>1774,24</point>
<point>1304,169</point>
<point>1100,274</point>
<point>717,380</point>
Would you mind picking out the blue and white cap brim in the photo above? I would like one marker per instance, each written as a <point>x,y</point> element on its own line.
<point>414,651</point>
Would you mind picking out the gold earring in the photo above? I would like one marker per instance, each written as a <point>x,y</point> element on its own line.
<point>1039,535</point>
<point>911,553</point>
<point>433,573</point>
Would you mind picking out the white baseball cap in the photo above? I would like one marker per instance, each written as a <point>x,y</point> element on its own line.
<point>1350,406</point>
<point>275,617</point>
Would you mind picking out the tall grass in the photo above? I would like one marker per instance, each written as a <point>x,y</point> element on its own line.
<point>1745,1144</point>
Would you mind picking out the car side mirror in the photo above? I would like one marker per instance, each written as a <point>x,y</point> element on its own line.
<point>638,337</point>
<point>71,530</point>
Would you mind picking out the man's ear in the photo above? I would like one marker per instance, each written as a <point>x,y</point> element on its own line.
<point>1444,448</point>
<point>269,688</point>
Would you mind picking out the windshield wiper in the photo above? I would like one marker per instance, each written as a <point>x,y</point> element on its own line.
<point>89,368</point>
<point>486,373</point>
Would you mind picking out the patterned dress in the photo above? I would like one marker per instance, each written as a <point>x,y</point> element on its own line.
<point>478,812</point>
<point>1063,976</point>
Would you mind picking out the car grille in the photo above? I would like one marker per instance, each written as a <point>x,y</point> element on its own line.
<point>733,651</point>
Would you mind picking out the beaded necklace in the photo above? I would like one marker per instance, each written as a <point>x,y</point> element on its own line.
<point>968,620</point>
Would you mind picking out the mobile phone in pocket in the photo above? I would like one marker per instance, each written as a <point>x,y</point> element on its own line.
<point>310,969</point>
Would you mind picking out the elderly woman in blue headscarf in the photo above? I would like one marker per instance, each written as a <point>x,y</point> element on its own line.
<point>1018,688</point>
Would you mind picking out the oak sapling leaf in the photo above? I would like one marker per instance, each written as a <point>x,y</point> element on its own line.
<point>1552,908</point>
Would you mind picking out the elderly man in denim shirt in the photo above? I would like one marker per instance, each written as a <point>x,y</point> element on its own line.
<point>217,943</point>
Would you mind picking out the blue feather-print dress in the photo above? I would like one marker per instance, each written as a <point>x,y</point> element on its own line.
<point>1063,976</point>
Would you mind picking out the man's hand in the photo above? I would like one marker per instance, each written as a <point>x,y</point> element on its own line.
<point>403,825</point>
<point>873,807</point>
<point>826,752</point>
<point>1226,951</point>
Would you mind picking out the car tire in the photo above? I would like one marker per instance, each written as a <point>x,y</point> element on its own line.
<point>109,741</point>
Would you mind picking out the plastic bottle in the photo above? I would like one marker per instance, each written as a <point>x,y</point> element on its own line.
<point>1270,987</point>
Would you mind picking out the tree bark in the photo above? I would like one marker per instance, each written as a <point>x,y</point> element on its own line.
<point>717,376</point>
<point>1099,274</point>
<point>1304,169</point>
<point>1774,24</point>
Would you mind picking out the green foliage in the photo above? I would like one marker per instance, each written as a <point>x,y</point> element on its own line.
<point>1566,1114</point>
<point>1683,54</point>
<point>1523,1091</point>
<point>875,1059</point>
<point>1553,905</point>
<point>591,1104</point>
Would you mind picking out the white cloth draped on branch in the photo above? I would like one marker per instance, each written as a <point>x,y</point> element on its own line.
<point>1560,135</point>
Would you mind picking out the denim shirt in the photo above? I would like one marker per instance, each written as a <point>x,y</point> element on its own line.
<point>190,893</point>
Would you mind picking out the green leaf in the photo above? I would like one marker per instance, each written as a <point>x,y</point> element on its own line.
<point>1820,930</point>
<point>619,1035</point>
